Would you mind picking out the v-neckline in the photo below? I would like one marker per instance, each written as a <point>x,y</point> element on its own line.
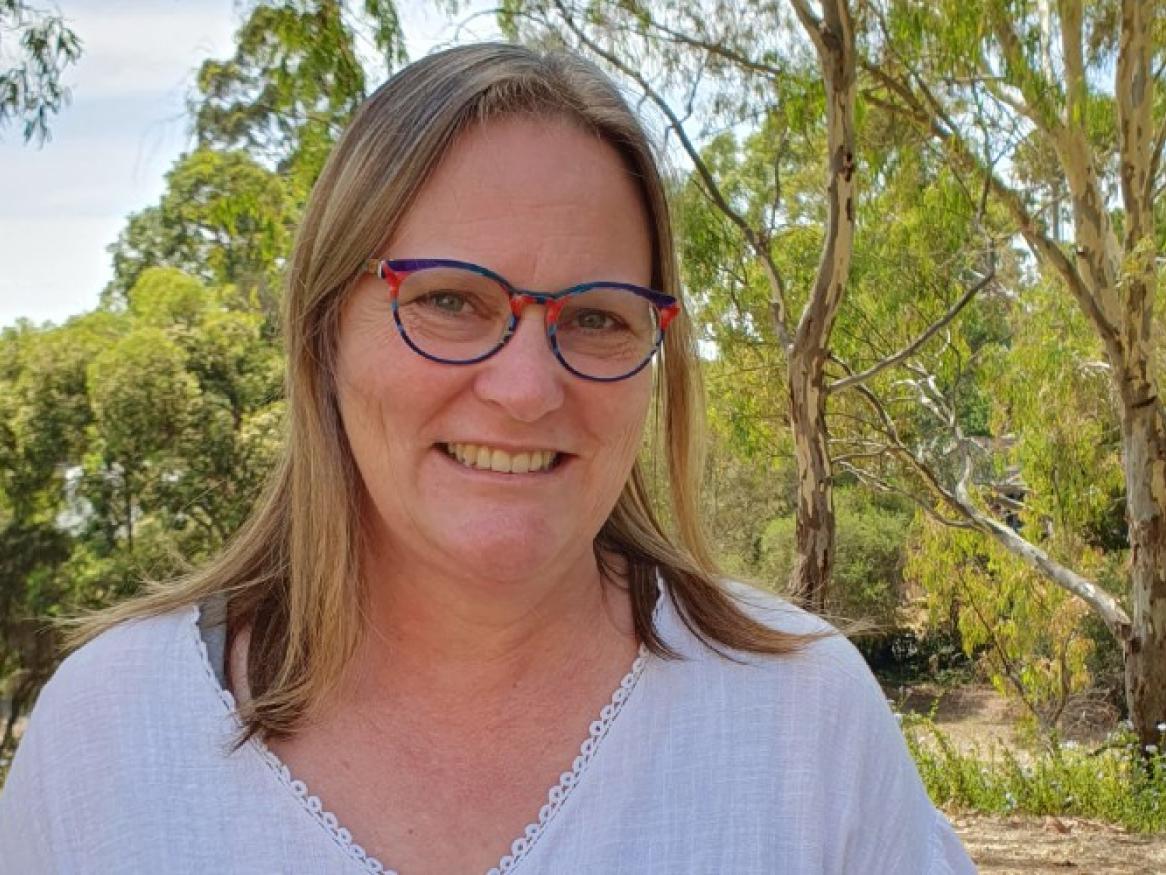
<point>522,845</point>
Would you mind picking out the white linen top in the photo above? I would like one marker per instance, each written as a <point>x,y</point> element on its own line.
<point>791,765</point>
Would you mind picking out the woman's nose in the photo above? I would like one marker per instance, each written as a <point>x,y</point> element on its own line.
<point>524,377</point>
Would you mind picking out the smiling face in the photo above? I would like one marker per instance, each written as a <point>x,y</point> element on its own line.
<point>442,448</point>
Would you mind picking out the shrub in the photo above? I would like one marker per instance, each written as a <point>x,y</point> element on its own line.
<point>1118,782</point>
<point>868,568</point>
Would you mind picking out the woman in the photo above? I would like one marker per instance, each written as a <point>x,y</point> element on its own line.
<point>421,629</point>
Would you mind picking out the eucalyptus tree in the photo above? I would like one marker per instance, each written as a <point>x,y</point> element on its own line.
<point>1080,84</point>
<point>36,48</point>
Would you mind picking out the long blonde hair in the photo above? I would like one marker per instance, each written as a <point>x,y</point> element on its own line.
<point>292,573</point>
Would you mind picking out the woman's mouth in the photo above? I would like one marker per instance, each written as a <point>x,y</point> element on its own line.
<point>486,458</point>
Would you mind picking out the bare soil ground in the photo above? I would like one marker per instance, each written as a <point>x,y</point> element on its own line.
<point>1008,845</point>
<point>978,717</point>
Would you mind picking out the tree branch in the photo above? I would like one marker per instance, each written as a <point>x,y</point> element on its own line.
<point>757,242</point>
<point>1039,112</point>
<point>882,485</point>
<point>1076,87</point>
<point>811,23</point>
<point>915,345</point>
<point>718,48</point>
<point>834,40</point>
<point>959,500</point>
<point>928,113</point>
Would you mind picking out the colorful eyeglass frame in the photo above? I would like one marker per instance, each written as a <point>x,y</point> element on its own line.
<point>394,271</point>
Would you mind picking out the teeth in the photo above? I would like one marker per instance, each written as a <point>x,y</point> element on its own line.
<point>493,459</point>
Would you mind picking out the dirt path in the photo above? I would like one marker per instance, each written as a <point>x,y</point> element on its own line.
<point>977,717</point>
<point>1026,845</point>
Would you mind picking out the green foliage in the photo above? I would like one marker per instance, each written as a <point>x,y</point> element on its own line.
<point>294,80</point>
<point>141,395</point>
<point>1052,390</point>
<point>867,581</point>
<point>1029,635</point>
<point>224,219</point>
<point>1059,481</point>
<point>30,76</point>
<point>166,296</point>
<point>1118,783</point>
<point>131,444</point>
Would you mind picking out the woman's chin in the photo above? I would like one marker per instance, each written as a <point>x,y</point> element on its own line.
<point>495,550</point>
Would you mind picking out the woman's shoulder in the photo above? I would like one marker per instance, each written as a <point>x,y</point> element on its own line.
<point>816,644</point>
<point>131,729</point>
<point>822,670</point>
<point>141,657</point>
<point>775,611</point>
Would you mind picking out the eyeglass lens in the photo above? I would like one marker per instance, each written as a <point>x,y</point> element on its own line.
<point>457,315</point>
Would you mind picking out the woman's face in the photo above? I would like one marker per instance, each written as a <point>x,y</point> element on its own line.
<point>547,206</point>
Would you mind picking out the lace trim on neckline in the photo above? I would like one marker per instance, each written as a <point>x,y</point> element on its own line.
<point>520,847</point>
<point>311,804</point>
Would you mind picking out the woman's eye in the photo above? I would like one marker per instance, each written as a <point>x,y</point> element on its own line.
<point>449,302</point>
<point>595,320</point>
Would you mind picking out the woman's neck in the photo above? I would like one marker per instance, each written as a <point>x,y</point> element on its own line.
<point>466,647</point>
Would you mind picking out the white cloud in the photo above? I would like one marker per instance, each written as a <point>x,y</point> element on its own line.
<point>132,48</point>
<point>62,205</point>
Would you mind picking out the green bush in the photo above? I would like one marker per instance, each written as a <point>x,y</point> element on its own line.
<point>1118,782</point>
<point>868,566</point>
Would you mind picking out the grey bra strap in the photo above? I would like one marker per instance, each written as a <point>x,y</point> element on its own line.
<point>212,626</point>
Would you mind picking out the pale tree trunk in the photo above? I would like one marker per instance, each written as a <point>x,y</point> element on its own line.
<point>1143,415</point>
<point>1113,282</point>
<point>1119,280</point>
<point>1145,465</point>
<point>833,38</point>
<point>814,524</point>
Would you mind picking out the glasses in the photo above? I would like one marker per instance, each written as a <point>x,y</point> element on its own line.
<point>459,313</point>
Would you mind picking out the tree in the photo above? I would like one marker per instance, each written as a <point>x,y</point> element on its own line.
<point>294,80</point>
<point>264,121</point>
<point>833,37</point>
<point>965,72</point>
<point>132,444</point>
<point>30,88</point>
<point>223,218</point>
<point>43,418</point>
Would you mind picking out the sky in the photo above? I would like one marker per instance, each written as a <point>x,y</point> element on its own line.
<point>63,203</point>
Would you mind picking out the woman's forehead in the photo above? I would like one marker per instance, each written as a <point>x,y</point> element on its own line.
<point>529,191</point>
